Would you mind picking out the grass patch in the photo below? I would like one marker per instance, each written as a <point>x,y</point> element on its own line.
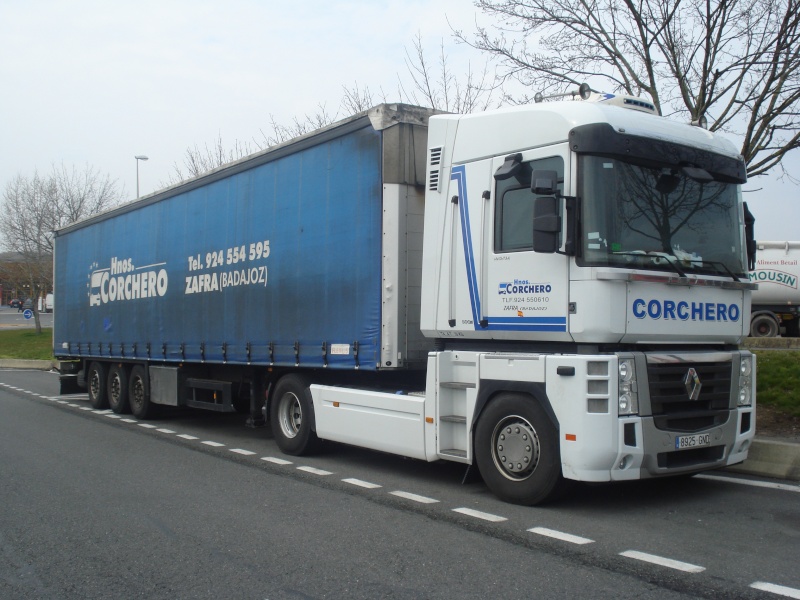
<point>778,380</point>
<point>26,344</point>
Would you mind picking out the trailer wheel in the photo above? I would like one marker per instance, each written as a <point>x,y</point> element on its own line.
<point>516,448</point>
<point>139,394</point>
<point>291,412</point>
<point>764,326</point>
<point>118,389</point>
<point>96,384</point>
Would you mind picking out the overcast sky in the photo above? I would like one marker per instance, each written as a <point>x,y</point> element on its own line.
<point>98,82</point>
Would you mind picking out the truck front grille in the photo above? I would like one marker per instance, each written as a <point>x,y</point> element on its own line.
<point>673,410</point>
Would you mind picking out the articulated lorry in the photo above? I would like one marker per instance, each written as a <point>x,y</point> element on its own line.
<point>776,302</point>
<point>549,292</point>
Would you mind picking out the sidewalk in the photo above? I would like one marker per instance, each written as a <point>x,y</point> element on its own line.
<point>768,457</point>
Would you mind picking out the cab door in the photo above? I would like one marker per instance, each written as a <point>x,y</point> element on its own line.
<point>525,292</point>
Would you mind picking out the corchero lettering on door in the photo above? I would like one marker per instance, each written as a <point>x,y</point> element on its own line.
<point>671,310</point>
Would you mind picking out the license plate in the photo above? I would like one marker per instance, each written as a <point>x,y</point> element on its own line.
<point>684,442</point>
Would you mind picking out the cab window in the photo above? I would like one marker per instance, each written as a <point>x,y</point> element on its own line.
<point>513,219</point>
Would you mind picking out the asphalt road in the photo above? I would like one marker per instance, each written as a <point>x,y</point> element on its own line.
<point>194,505</point>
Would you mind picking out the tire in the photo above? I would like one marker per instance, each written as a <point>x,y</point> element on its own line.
<point>291,413</point>
<point>118,389</point>
<point>139,394</point>
<point>517,450</point>
<point>764,326</point>
<point>96,385</point>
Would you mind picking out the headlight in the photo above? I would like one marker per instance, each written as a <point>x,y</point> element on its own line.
<point>745,397</point>
<point>625,370</point>
<point>746,366</point>
<point>628,401</point>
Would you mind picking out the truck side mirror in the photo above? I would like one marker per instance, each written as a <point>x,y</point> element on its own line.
<point>750,237</point>
<point>544,183</point>
<point>546,224</point>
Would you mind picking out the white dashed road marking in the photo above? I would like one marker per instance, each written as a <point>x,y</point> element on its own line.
<point>165,430</point>
<point>277,461</point>
<point>560,535</point>
<point>147,425</point>
<point>186,436</point>
<point>314,471</point>
<point>214,444</point>
<point>664,562</point>
<point>242,452</point>
<point>363,484</point>
<point>776,589</point>
<point>414,497</point>
<point>763,484</point>
<point>480,515</point>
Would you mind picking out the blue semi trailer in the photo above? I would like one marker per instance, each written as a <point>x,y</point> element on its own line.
<point>522,290</point>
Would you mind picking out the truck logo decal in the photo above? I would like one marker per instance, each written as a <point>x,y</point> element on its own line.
<point>123,281</point>
<point>523,286</point>
<point>692,383</point>
<point>669,310</point>
<point>517,323</point>
<point>774,276</point>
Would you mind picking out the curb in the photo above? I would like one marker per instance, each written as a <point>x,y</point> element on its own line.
<point>41,365</point>
<point>771,458</point>
<point>766,458</point>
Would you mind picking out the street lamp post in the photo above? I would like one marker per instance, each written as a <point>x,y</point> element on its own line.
<point>138,158</point>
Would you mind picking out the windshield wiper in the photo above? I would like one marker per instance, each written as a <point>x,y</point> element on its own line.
<point>664,258</point>
<point>725,269</point>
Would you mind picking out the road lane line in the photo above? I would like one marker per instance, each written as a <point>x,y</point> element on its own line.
<point>186,436</point>
<point>480,515</point>
<point>242,452</point>
<point>764,484</point>
<point>113,416</point>
<point>147,425</point>
<point>314,471</point>
<point>361,483</point>
<point>781,590</point>
<point>165,430</point>
<point>277,461</point>
<point>86,408</point>
<point>129,421</point>
<point>560,535</point>
<point>414,497</point>
<point>664,562</point>
<point>214,444</point>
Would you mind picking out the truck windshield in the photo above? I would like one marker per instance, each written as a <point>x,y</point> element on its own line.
<point>658,218</point>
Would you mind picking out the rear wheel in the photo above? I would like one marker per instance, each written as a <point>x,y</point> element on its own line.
<point>118,389</point>
<point>96,384</point>
<point>291,414</point>
<point>516,448</point>
<point>139,394</point>
<point>764,326</point>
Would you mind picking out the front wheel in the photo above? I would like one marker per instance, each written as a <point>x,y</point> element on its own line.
<point>291,411</point>
<point>517,451</point>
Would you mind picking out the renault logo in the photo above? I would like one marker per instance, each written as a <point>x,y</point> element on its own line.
<point>691,382</point>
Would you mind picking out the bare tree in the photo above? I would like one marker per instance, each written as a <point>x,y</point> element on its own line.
<point>34,207</point>
<point>734,62</point>
<point>437,86</point>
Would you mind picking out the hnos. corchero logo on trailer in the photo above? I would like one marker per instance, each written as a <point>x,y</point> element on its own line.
<point>124,281</point>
